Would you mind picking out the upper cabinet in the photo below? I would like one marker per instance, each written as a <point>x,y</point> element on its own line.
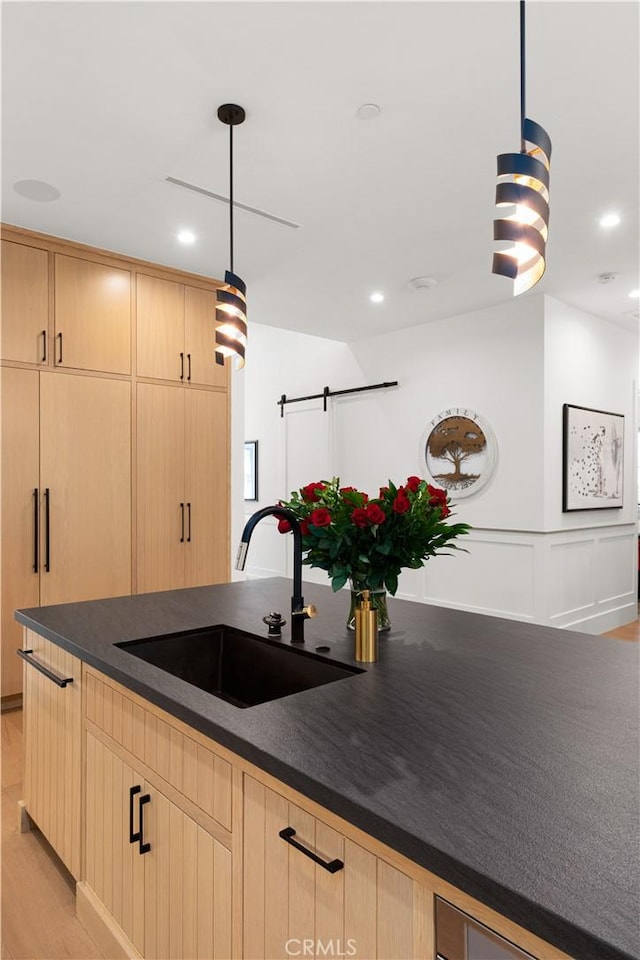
<point>175,333</point>
<point>92,316</point>
<point>25,303</point>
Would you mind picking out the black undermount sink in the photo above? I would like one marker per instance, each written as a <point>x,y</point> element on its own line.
<point>236,666</point>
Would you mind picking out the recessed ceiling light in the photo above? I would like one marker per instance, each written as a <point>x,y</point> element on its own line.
<point>36,190</point>
<point>610,220</point>
<point>376,297</point>
<point>368,111</point>
<point>422,283</point>
<point>635,293</point>
<point>186,236</point>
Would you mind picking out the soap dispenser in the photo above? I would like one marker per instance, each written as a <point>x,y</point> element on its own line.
<point>366,629</point>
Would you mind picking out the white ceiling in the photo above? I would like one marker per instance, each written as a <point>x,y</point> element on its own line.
<point>106,100</point>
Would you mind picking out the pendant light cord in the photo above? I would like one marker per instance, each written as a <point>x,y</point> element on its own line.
<point>231,197</point>
<point>522,77</point>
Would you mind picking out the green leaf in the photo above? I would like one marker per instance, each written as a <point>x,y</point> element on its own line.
<point>338,582</point>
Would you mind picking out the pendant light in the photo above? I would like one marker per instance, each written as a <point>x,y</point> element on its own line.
<point>231,307</point>
<point>523,182</point>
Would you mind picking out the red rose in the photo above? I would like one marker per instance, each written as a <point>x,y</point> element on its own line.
<point>320,517</point>
<point>401,503</point>
<point>309,492</point>
<point>348,490</point>
<point>375,514</point>
<point>413,483</point>
<point>438,498</point>
<point>383,492</point>
<point>304,528</point>
<point>283,525</point>
<point>359,517</point>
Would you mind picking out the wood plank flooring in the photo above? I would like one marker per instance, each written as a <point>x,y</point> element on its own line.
<point>37,896</point>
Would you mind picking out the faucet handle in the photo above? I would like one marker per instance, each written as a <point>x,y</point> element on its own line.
<point>275,622</point>
<point>306,612</point>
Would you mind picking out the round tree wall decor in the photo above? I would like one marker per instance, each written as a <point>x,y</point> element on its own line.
<point>459,450</point>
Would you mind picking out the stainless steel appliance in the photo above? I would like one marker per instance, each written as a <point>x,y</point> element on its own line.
<point>460,937</point>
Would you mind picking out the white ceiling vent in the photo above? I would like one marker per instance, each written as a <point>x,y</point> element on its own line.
<point>222,199</point>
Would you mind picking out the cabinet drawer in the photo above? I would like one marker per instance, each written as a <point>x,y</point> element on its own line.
<point>193,769</point>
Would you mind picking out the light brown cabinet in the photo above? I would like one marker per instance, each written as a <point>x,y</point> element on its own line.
<point>182,487</point>
<point>320,888</point>
<point>53,744</point>
<point>25,303</point>
<point>175,333</point>
<point>92,316</point>
<point>66,495</point>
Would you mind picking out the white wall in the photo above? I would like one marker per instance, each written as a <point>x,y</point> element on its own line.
<point>516,365</point>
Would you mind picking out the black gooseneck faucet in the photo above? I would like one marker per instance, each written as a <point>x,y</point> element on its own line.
<point>299,613</point>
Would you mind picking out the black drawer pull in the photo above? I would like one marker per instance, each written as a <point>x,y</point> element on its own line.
<point>144,847</point>
<point>188,523</point>
<point>182,366</point>
<point>331,865</point>
<point>36,530</point>
<point>182,523</point>
<point>138,835</point>
<point>44,346</point>
<point>132,792</point>
<point>60,351</point>
<point>27,656</point>
<point>188,366</point>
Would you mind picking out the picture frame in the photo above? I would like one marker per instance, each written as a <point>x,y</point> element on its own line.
<point>459,451</point>
<point>592,459</point>
<point>251,470</point>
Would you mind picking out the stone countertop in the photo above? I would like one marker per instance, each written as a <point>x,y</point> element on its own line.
<point>502,756</point>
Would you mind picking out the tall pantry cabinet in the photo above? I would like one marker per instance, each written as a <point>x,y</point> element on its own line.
<point>91,446</point>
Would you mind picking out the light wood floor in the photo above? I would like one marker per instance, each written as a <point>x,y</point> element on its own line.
<point>38,905</point>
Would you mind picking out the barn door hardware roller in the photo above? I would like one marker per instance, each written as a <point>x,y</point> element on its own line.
<point>326,393</point>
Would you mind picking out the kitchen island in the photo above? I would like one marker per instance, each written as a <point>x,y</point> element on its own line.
<point>500,756</point>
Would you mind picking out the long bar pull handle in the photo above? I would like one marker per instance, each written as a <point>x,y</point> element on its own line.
<point>27,656</point>
<point>331,865</point>
<point>60,350</point>
<point>182,523</point>
<point>188,366</point>
<point>36,529</point>
<point>44,346</point>
<point>47,530</point>
<point>133,836</point>
<point>182,366</point>
<point>144,847</point>
<point>188,522</point>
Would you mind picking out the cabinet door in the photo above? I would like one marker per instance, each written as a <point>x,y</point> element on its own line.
<point>25,302</point>
<point>365,909</point>
<point>199,338</point>
<point>52,742</point>
<point>207,488</point>
<point>114,867</point>
<point>20,483</point>
<point>85,464</point>
<point>161,521</point>
<point>92,316</point>
<point>160,329</point>
<point>187,887</point>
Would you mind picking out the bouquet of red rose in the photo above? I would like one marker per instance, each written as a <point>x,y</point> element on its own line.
<point>369,541</point>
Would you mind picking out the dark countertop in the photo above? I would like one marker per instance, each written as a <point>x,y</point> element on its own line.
<point>502,756</point>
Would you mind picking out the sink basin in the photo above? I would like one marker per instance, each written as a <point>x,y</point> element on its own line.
<point>236,666</point>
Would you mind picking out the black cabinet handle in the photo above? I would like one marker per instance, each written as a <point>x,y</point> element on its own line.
<point>60,350</point>
<point>44,346</point>
<point>182,366</point>
<point>331,865</point>
<point>182,523</point>
<point>47,531</point>
<point>36,530</point>
<point>27,656</point>
<point>188,366</point>
<point>138,835</point>
<point>188,523</point>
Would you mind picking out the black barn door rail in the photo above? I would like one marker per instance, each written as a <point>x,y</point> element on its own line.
<point>331,393</point>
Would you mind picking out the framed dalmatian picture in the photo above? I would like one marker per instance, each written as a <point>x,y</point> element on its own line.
<point>592,459</point>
